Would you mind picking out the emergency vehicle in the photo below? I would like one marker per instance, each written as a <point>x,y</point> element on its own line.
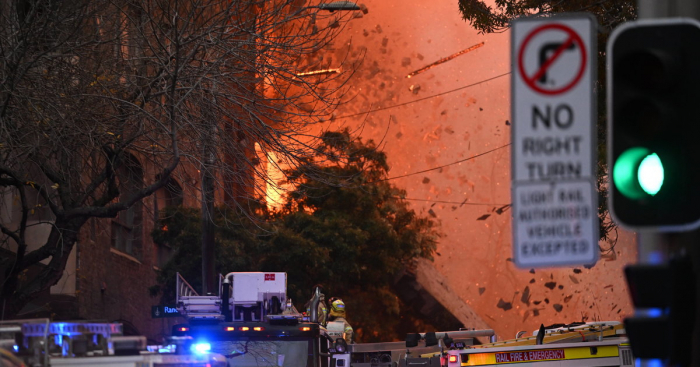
<point>251,322</point>
<point>419,348</point>
<point>578,344</point>
<point>40,342</point>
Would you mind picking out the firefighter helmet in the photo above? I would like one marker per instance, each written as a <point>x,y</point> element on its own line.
<point>338,308</point>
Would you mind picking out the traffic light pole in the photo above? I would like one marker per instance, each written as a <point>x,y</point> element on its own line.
<point>657,248</point>
<point>653,9</point>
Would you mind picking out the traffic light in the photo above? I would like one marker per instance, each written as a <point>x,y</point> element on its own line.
<point>667,296</point>
<point>653,91</point>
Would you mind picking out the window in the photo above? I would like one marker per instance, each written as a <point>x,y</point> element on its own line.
<point>168,195</point>
<point>127,227</point>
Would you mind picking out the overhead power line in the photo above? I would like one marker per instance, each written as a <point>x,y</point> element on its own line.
<point>454,202</point>
<point>424,98</point>
<point>445,165</point>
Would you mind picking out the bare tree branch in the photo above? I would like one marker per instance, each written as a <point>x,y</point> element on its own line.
<point>104,102</point>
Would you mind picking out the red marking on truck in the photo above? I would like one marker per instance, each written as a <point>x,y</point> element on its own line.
<point>530,355</point>
<point>269,277</point>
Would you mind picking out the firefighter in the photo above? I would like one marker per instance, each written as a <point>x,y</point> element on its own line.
<point>337,316</point>
<point>322,310</point>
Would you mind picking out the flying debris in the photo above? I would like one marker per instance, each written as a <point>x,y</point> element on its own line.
<point>444,59</point>
<point>319,72</point>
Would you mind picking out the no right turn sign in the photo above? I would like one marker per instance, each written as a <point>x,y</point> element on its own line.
<point>555,216</point>
<point>552,59</point>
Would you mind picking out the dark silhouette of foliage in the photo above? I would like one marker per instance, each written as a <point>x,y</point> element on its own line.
<point>497,18</point>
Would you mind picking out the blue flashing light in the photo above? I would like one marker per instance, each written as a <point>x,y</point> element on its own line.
<point>656,257</point>
<point>171,348</point>
<point>201,347</point>
<point>16,348</point>
<point>648,362</point>
<point>654,312</point>
<point>168,349</point>
<point>61,327</point>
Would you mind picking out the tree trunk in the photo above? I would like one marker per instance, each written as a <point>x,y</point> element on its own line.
<point>15,294</point>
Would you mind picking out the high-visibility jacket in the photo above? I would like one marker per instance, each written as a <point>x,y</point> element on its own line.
<point>322,311</point>
<point>340,328</point>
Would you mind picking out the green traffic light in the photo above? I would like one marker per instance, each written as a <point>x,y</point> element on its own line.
<point>651,174</point>
<point>638,173</point>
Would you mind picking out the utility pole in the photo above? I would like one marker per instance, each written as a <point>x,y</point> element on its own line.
<point>654,9</point>
<point>208,227</point>
<point>209,147</point>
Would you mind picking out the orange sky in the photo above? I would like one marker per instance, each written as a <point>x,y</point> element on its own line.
<point>454,110</point>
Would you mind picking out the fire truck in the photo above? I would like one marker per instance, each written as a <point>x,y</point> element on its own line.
<point>418,348</point>
<point>41,342</point>
<point>251,322</point>
<point>572,345</point>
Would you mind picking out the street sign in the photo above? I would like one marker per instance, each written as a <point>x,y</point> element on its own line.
<point>555,216</point>
<point>161,311</point>
<point>555,223</point>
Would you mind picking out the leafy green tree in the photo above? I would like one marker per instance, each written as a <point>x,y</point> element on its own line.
<point>353,236</point>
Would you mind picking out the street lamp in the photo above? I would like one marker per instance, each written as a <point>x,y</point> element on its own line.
<point>342,5</point>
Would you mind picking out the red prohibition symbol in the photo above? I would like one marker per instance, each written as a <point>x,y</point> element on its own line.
<point>572,40</point>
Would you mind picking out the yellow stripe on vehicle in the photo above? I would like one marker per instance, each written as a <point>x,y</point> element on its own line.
<point>587,352</point>
<point>538,355</point>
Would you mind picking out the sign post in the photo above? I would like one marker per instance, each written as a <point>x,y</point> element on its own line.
<point>555,210</point>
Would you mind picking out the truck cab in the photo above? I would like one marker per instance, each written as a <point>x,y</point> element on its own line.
<point>252,323</point>
<point>254,344</point>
